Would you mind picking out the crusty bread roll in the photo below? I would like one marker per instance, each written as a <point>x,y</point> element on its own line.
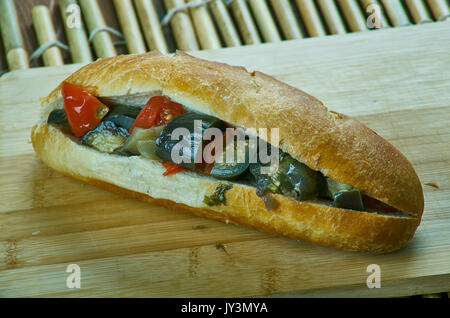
<point>337,145</point>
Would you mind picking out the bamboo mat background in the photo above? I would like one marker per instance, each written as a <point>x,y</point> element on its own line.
<point>24,8</point>
<point>221,26</point>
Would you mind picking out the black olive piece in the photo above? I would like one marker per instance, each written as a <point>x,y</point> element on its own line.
<point>58,117</point>
<point>298,180</point>
<point>165,144</point>
<point>231,170</point>
<point>263,182</point>
<point>349,199</point>
<point>121,121</point>
<point>106,137</point>
<point>129,111</point>
<point>292,178</point>
<point>228,171</point>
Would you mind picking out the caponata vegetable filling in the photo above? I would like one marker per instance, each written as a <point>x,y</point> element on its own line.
<point>156,131</point>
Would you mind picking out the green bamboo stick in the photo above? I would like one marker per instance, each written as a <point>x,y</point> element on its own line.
<point>103,44</point>
<point>45,33</point>
<point>16,56</point>
<point>80,50</point>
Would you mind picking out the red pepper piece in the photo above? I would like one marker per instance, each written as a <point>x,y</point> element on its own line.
<point>171,168</point>
<point>84,111</point>
<point>158,111</point>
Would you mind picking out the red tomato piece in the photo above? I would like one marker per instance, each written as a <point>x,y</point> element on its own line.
<point>171,168</point>
<point>158,111</point>
<point>84,111</point>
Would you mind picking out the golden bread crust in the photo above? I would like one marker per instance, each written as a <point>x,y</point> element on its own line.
<point>306,221</point>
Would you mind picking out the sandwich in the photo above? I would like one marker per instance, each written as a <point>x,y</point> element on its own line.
<point>235,146</point>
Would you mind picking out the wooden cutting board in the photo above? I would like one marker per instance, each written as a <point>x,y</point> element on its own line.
<point>396,81</point>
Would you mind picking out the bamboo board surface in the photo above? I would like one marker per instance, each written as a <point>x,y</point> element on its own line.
<point>396,81</point>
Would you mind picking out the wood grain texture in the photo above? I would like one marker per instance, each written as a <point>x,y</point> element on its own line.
<point>129,248</point>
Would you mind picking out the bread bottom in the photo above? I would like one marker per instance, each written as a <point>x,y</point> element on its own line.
<point>142,179</point>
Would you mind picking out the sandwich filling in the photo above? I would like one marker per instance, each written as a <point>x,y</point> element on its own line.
<point>181,139</point>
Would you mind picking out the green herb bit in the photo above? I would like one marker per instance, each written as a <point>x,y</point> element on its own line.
<point>218,197</point>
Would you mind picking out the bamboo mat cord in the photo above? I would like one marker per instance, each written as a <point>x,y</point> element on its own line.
<point>311,18</point>
<point>150,25</point>
<point>286,19</point>
<point>182,7</point>
<point>395,12</point>
<point>103,44</point>
<point>45,33</point>
<point>264,20</point>
<point>80,50</point>
<point>353,15</point>
<point>373,7</point>
<point>331,16</point>
<point>244,21</point>
<point>130,26</point>
<point>16,56</point>
<point>181,25</point>
<point>45,46</point>
<point>418,11</point>
<point>225,23</point>
<point>439,9</point>
<point>107,29</point>
<point>204,27</point>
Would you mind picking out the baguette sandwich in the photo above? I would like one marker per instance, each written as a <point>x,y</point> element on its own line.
<point>114,124</point>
